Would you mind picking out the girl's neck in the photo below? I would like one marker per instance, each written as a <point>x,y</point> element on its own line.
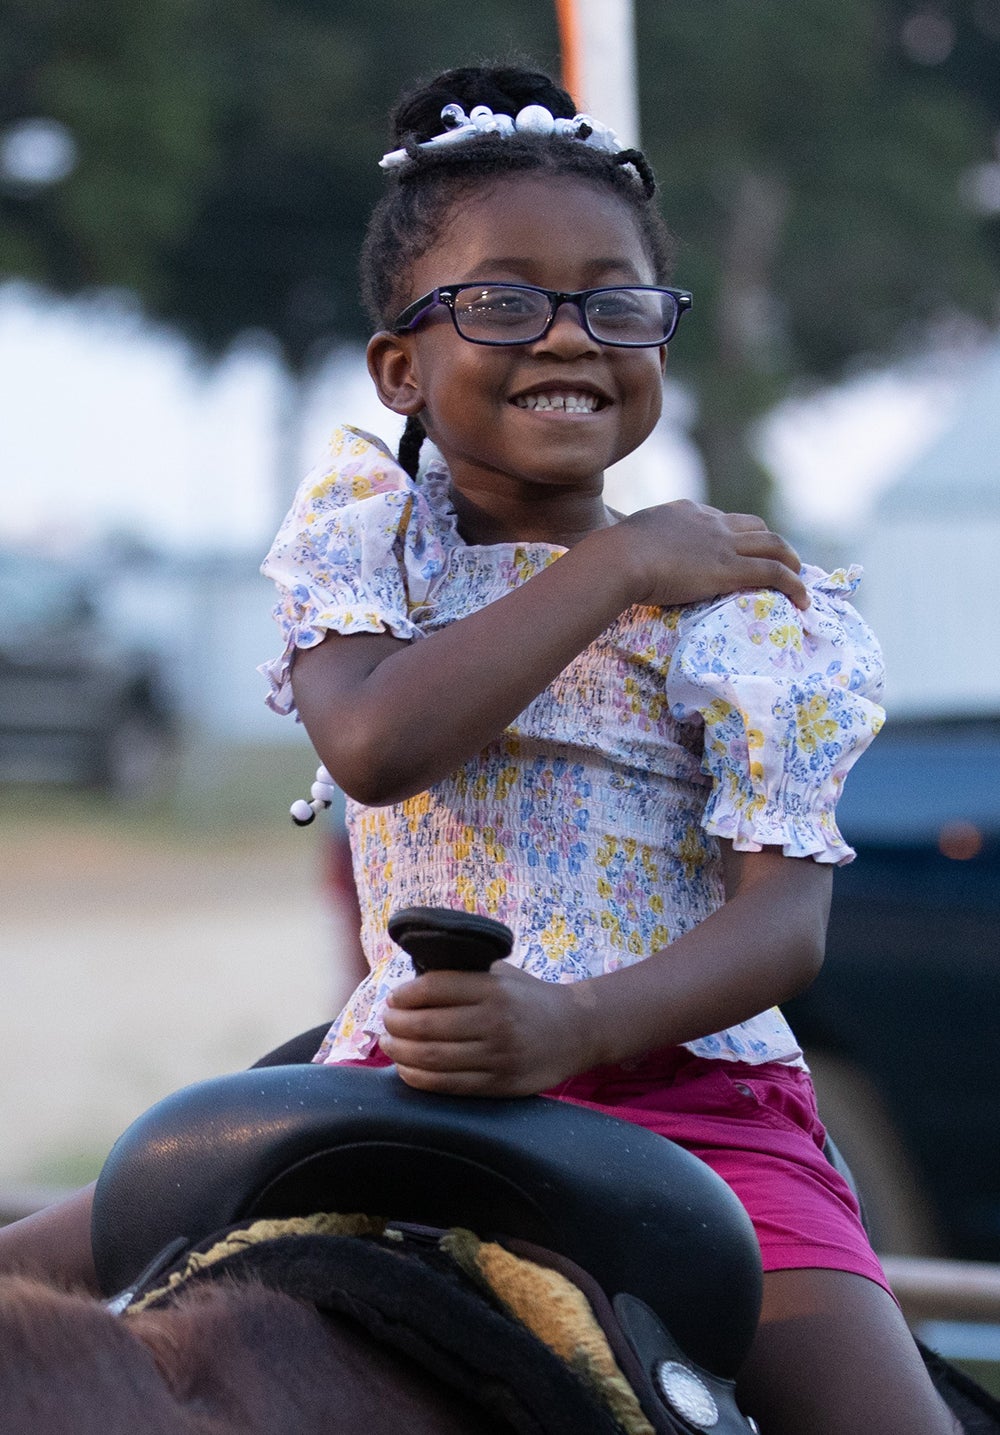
<point>560,519</point>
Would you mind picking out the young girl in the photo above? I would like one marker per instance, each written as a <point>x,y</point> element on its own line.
<point>544,712</point>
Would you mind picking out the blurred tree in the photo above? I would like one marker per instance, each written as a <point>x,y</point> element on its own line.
<point>814,179</point>
<point>226,169</point>
<point>227,148</point>
<point>126,86</point>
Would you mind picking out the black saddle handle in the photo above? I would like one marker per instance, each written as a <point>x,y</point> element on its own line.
<point>439,937</point>
<point>640,1214</point>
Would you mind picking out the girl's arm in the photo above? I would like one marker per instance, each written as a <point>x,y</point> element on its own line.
<point>390,718</point>
<point>506,1033</point>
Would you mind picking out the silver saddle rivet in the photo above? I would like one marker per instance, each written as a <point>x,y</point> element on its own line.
<point>686,1394</point>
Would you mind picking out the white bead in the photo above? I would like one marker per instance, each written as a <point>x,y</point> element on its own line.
<point>301,812</point>
<point>480,115</point>
<point>322,775</point>
<point>535,120</point>
<point>321,792</point>
<point>453,116</point>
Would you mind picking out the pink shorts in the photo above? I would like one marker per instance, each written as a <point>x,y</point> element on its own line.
<point>758,1128</point>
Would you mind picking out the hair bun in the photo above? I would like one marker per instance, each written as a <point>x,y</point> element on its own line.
<point>506,89</point>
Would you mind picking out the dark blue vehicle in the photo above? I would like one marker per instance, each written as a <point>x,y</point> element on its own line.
<point>903,1025</point>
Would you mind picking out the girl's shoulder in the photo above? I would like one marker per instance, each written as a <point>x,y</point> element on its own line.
<point>759,631</point>
<point>358,466</point>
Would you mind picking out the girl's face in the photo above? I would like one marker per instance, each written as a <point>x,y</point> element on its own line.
<point>557,233</point>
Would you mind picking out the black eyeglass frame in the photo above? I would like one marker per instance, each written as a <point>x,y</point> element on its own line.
<point>446,295</point>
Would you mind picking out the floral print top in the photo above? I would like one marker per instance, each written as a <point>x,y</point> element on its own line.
<point>589,825</point>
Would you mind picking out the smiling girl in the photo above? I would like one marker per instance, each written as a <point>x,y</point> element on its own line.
<point>544,712</point>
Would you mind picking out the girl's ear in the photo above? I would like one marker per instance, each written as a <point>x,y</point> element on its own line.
<point>391,367</point>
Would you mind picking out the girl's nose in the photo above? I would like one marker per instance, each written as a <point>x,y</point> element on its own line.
<point>566,332</point>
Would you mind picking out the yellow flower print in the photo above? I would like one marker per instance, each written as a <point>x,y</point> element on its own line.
<point>505,779</point>
<point>557,940</point>
<point>362,486</point>
<point>613,927</point>
<point>415,809</point>
<point>494,849</point>
<point>692,851</point>
<point>523,566</point>
<point>659,937</point>
<point>462,847</point>
<point>465,891</point>
<point>787,635</point>
<point>717,711</point>
<point>763,604</point>
<point>813,726</point>
<point>494,895</point>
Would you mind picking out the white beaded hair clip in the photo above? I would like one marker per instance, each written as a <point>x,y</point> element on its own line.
<point>533,119</point>
<point>321,794</point>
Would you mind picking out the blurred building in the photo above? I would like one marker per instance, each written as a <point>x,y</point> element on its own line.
<point>932,561</point>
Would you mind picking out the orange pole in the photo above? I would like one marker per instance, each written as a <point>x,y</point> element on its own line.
<point>570,48</point>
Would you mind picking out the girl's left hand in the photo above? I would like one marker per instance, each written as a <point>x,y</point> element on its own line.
<point>495,1033</point>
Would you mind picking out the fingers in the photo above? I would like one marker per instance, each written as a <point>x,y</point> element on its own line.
<point>435,1056</point>
<point>778,576</point>
<point>438,989</point>
<point>459,1083</point>
<point>773,563</point>
<point>760,542</point>
<point>742,522</point>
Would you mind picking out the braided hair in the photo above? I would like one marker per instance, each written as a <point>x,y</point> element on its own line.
<point>411,214</point>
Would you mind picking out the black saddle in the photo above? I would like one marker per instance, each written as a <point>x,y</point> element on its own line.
<point>662,1236</point>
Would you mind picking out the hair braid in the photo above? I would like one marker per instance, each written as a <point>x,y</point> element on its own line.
<point>408,454</point>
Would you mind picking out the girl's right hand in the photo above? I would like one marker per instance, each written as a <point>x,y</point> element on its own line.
<point>685,552</point>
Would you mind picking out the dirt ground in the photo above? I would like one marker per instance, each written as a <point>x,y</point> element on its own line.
<point>132,964</point>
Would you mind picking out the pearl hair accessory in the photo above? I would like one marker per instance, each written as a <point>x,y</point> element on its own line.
<point>321,795</point>
<point>533,119</point>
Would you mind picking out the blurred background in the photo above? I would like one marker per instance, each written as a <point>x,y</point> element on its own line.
<point>184,186</point>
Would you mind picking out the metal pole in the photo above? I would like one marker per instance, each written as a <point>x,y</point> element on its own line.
<point>597,41</point>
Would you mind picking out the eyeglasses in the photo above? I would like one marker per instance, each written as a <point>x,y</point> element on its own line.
<point>625,317</point>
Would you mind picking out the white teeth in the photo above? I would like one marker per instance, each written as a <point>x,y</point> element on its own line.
<point>570,403</point>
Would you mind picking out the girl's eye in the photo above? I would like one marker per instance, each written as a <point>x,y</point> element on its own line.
<point>498,306</point>
<point>618,306</point>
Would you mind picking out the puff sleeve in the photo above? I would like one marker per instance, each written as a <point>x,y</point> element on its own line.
<point>358,553</point>
<point>789,701</point>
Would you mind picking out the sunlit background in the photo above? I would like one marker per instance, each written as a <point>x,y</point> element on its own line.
<point>183,189</point>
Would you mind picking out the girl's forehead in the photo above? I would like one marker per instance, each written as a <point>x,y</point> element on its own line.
<point>538,218</point>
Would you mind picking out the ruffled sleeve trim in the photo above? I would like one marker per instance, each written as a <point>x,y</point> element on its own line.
<point>359,552</point>
<point>789,701</point>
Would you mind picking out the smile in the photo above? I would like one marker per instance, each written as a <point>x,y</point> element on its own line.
<point>562,402</point>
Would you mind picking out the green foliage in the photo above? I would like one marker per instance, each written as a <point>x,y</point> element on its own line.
<point>142,127</point>
<point>814,179</point>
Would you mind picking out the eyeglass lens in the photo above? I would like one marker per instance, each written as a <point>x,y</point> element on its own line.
<point>512,315</point>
